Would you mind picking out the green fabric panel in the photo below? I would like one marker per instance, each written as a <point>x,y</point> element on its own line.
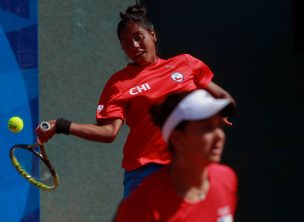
<point>79,51</point>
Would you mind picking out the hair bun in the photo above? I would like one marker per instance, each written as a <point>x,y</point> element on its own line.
<point>134,11</point>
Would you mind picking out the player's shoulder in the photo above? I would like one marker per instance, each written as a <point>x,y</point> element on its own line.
<point>183,56</point>
<point>127,209</point>
<point>118,75</point>
<point>153,185</point>
<point>156,179</point>
<point>118,79</point>
<point>224,175</point>
<point>221,170</point>
<point>145,197</point>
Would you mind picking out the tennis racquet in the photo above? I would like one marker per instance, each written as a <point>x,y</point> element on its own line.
<point>32,162</point>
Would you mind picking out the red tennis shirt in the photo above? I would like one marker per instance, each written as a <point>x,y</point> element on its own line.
<point>129,94</point>
<point>157,200</point>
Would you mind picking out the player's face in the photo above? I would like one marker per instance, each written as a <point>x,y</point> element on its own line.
<point>138,43</point>
<point>202,141</point>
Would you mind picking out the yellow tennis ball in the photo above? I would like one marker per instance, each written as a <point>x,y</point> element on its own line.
<point>15,124</point>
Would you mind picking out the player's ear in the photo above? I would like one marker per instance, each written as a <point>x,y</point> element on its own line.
<point>153,34</point>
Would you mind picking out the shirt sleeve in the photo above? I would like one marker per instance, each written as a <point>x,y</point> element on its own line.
<point>202,73</point>
<point>111,103</point>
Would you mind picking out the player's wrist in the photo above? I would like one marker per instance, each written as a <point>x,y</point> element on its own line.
<point>63,126</point>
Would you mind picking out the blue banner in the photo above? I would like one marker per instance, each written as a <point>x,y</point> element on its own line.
<point>19,200</point>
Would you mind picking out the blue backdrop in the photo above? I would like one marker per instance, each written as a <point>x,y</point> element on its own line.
<point>19,201</point>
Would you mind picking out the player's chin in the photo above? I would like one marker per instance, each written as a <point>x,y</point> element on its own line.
<point>143,59</point>
<point>215,157</point>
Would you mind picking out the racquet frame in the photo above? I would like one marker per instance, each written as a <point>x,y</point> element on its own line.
<point>43,156</point>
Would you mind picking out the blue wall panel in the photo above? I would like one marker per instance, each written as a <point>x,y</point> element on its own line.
<point>19,201</point>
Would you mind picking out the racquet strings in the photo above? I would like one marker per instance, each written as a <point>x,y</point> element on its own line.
<point>33,166</point>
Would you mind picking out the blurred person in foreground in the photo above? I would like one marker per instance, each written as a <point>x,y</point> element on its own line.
<point>194,186</point>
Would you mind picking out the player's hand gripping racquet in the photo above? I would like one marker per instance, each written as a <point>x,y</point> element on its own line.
<point>32,162</point>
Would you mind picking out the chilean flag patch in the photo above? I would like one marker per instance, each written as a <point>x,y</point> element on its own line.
<point>177,77</point>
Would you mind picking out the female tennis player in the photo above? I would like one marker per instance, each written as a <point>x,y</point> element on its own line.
<point>129,94</point>
<point>194,186</point>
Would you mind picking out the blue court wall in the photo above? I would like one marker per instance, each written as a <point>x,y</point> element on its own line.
<point>19,201</point>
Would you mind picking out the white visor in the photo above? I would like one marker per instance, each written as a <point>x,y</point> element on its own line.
<point>198,105</point>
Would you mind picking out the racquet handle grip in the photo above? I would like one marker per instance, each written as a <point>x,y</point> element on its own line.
<point>44,126</point>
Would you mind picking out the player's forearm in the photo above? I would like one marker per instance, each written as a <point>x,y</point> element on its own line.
<point>93,132</point>
<point>218,92</point>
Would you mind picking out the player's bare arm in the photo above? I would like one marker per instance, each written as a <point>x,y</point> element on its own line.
<point>105,132</point>
<point>218,92</point>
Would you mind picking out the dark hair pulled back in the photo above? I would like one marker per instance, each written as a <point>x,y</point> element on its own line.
<point>135,13</point>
